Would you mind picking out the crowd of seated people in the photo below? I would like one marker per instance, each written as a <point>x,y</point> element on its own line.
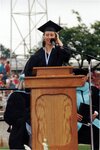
<point>9,81</point>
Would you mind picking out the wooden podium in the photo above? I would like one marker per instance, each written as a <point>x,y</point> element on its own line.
<point>53,107</point>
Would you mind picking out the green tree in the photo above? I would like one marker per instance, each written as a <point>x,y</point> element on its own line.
<point>84,40</point>
<point>96,37</point>
<point>4,52</point>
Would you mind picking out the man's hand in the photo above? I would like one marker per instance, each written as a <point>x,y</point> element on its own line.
<point>79,117</point>
<point>94,115</point>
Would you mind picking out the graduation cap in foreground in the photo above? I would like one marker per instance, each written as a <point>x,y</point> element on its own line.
<point>50,26</point>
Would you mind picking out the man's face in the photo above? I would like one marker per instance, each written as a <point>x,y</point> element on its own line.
<point>96,79</point>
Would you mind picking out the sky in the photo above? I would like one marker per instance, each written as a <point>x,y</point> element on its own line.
<point>89,11</point>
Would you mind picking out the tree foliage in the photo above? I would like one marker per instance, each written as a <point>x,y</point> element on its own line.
<point>84,40</point>
<point>4,52</point>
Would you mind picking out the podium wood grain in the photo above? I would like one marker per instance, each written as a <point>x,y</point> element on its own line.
<point>53,108</point>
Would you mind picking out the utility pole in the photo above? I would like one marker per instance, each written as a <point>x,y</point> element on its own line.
<point>61,24</point>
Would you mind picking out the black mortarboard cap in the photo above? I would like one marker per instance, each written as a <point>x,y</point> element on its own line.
<point>50,26</point>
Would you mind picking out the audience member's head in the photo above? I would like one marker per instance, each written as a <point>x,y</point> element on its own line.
<point>96,78</point>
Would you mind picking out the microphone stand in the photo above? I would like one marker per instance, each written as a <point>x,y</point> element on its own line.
<point>90,101</point>
<point>89,57</point>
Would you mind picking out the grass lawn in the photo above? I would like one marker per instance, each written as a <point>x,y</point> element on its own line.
<point>84,147</point>
<point>80,147</point>
<point>4,148</point>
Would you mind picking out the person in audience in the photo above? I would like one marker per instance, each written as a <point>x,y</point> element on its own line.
<point>1,81</point>
<point>83,96</point>
<point>3,70</point>
<point>17,113</point>
<point>7,68</point>
<point>15,80</point>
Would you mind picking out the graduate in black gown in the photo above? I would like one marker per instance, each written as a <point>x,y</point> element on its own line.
<point>84,132</point>
<point>17,112</point>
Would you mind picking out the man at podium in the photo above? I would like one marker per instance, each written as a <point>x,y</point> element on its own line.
<point>52,53</point>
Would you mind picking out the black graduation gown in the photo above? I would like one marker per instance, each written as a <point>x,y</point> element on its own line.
<point>58,57</point>
<point>16,115</point>
<point>96,98</point>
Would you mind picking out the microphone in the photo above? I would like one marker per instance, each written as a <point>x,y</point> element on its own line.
<point>52,41</point>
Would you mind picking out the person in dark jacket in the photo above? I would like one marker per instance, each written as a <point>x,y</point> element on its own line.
<point>52,53</point>
<point>83,97</point>
<point>17,112</point>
